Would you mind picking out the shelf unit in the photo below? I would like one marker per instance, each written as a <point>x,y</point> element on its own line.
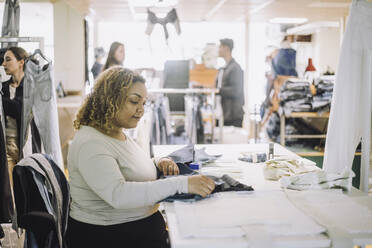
<point>283,136</point>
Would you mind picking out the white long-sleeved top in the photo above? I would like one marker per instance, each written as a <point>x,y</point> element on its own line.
<point>113,181</point>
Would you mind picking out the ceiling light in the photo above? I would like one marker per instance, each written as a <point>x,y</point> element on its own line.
<point>329,5</point>
<point>288,20</point>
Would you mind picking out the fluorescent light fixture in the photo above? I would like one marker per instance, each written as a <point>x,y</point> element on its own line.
<point>154,3</point>
<point>329,5</point>
<point>288,20</point>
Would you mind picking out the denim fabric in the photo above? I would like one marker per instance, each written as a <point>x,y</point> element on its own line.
<point>223,184</point>
<point>39,102</point>
<point>10,27</point>
<point>188,154</point>
<point>284,62</point>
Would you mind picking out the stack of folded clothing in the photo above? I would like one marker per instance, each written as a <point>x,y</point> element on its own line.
<point>322,100</point>
<point>275,169</point>
<point>295,96</point>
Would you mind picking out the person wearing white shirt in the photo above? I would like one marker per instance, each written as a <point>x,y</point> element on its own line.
<point>114,189</point>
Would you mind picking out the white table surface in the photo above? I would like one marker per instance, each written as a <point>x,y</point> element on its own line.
<point>250,174</point>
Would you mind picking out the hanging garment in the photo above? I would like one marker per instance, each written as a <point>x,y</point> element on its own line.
<point>10,26</point>
<point>350,109</point>
<point>40,103</point>
<point>42,198</point>
<point>171,17</point>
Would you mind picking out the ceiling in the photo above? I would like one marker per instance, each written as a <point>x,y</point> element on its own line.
<point>215,10</point>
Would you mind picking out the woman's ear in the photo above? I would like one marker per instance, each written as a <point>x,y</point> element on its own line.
<point>21,63</point>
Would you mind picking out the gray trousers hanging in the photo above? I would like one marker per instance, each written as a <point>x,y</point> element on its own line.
<point>10,26</point>
<point>39,102</point>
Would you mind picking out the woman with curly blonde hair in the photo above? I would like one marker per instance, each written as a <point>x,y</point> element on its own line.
<point>114,191</point>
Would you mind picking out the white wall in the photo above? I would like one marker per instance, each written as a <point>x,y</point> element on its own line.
<point>68,47</point>
<point>326,43</point>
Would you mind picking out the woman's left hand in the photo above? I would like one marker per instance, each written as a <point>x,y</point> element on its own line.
<point>168,167</point>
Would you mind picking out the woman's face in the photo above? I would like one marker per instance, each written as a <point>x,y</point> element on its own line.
<point>11,65</point>
<point>132,109</point>
<point>120,54</point>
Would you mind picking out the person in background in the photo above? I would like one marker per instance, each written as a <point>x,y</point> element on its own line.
<point>230,81</point>
<point>99,53</point>
<point>284,59</point>
<point>12,99</point>
<point>115,56</point>
<point>114,186</point>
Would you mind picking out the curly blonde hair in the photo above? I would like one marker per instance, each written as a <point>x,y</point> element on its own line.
<point>109,93</point>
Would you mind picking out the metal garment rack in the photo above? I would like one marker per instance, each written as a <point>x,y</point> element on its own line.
<point>191,91</point>
<point>39,40</point>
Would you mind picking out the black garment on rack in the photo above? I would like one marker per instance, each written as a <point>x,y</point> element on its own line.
<point>6,200</point>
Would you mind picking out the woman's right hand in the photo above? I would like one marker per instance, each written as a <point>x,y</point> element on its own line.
<point>200,185</point>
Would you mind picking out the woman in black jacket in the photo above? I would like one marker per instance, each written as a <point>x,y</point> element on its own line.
<point>14,63</point>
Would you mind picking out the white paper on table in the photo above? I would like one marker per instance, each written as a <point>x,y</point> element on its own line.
<point>272,210</point>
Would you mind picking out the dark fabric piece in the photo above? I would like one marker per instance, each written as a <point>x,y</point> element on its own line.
<point>232,94</point>
<point>2,234</point>
<point>44,224</point>
<point>6,201</point>
<point>284,63</point>
<point>144,233</point>
<point>36,205</point>
<point>171,17</point>
<point>63,184</point>
<point>223,184</point>
<point>96,69</point>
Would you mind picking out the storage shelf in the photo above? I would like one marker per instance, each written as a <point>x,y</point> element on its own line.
<point>283,136</point>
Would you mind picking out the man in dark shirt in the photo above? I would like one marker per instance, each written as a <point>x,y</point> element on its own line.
<point>231,83</point>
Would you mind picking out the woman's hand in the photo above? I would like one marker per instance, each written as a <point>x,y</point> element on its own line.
<point>168,167</point>
<point>200,185</point>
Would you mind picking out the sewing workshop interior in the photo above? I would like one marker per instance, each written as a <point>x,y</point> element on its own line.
<point>186,124</point>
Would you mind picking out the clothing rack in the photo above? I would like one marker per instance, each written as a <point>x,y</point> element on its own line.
<point>192,91</point>
<point>39,40</point>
